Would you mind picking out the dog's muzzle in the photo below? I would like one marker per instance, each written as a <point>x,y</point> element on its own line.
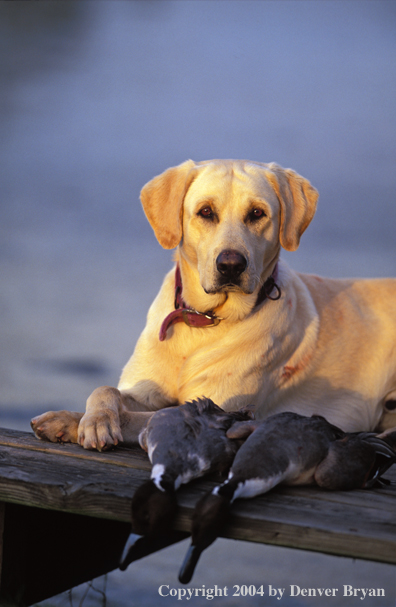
<point>231,264</point>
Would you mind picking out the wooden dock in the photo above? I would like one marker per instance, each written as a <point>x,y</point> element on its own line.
<point>65,512</point>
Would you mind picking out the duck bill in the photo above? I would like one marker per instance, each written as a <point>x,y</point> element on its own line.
<point>126,559</point>
<point>190,562</point>
<point>139,546</point>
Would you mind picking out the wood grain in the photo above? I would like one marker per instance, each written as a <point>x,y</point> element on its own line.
<point>359,524</point>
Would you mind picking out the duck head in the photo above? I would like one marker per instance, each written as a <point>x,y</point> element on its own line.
<point>153,509</point>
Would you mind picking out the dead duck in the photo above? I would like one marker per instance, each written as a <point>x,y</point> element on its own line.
<point>291,449</point>
<point>183,443</point>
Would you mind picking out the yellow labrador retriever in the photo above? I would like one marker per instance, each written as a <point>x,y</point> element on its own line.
<point>233,323</point>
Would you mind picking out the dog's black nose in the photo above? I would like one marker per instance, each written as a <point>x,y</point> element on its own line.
<point>231,264</point>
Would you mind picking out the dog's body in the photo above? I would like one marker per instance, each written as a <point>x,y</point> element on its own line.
<point>325,346</point>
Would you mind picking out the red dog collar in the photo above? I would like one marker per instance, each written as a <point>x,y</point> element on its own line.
<point>193,318</point>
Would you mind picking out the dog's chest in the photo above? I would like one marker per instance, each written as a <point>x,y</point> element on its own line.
<point>214,367</point>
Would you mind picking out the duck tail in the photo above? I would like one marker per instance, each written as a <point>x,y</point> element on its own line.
<point>385,457</point>
<point>389,437</point>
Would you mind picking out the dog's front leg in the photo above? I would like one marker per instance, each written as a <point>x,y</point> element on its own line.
<point>108,420</point>
<point>99,427</point>
<point>57,426</point>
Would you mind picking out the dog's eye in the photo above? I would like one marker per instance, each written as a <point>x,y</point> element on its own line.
<point>256,214</point>
<point>206,212</point>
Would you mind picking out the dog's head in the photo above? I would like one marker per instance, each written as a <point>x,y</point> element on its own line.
<point>229,218</point>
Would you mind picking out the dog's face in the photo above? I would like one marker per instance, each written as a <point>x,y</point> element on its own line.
<point>230,218</point>
<point>230,227</point>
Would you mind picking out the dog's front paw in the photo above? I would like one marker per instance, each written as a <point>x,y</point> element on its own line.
<point>99,430</point>
<point>57,426</point>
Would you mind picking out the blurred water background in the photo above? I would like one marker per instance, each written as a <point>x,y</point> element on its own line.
<point>98,97</point>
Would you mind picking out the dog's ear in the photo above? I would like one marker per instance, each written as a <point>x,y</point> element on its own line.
<point>162,200</point>
<point>297,199</point>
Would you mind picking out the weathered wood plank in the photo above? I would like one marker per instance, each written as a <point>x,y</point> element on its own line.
<point>303,521</point>
<point>82,486</point>
<point>133,457</point>
<point>359,524</point>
